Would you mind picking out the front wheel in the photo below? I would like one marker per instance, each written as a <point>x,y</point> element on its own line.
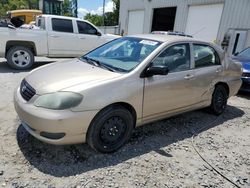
<point>219,100</point>
<point>110,129</point>
<point>20,57</point>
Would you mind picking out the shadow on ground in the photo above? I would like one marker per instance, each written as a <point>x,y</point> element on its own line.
<point>244,94</point>
<point>4,68</point>
<point>64,161</point>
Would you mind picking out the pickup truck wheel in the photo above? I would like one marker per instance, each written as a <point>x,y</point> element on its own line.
<point>110,129</point>
<point>20,57</point>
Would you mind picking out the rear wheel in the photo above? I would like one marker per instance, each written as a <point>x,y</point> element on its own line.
<point>110,129</point>
<point>20,57</point>
<point>219,100</point>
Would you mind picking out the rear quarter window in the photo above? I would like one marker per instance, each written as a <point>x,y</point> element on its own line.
<point>62,25</point>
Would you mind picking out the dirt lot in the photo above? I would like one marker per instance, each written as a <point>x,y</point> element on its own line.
<point>158,155</point>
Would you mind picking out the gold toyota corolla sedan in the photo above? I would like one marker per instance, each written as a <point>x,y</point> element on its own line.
<point>102,96</point>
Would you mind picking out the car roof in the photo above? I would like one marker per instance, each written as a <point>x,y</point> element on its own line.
<point>62,17</point>
<point>173,38</point>
<point>166,38</point>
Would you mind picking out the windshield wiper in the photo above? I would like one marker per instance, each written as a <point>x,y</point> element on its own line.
<point>98,63</point>
<point>103,65</point>
<point>89,61</point>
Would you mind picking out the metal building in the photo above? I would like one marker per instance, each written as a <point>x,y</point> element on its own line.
<point>225,22</point>
<point>51,6</point>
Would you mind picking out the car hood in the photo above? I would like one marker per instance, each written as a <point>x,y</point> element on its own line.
<point>244,61</point>
<point>62,75</point>
<point>111,36</point>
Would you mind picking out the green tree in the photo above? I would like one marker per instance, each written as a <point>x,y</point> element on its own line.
<point>67,8</point>
<point>33,4</point>
<point>116,11</point>
<point>8,5</point>
<point>110,18</point>
<point>94,18</point>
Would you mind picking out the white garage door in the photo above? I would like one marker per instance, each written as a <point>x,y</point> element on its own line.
<point>135,22</point>
<point>203,21</point>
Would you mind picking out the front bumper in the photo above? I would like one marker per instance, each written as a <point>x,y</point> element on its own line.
<point>245,84</point>
<point>37,121</point>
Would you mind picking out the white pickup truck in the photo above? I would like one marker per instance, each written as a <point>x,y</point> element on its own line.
<point>54,36</point>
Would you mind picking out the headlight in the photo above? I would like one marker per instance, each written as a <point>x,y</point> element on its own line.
<point>59,100</point>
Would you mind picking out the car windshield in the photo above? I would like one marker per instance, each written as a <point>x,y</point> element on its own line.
<point>245,53</point>
<point>122,54</point>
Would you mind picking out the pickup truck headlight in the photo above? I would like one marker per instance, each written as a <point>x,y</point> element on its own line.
<point>59,100</point>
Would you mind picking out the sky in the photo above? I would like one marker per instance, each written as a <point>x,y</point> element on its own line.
<point>93,7</point>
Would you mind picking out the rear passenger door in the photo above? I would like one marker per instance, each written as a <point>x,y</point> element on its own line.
<point>62,38</point>
<point>89,37</point>
<point>207,70</point>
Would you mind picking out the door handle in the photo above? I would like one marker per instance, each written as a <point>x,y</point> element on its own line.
<point>54,36</point>
<point>82,37</point>
<point>189,76</point>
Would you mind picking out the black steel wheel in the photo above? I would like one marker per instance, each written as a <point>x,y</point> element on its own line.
<point>219,100</point>
<point>110,129</point>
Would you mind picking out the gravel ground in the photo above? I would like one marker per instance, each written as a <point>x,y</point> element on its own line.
<point>158,155</point>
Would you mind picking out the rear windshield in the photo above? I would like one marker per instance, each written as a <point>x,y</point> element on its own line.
<point>40,22</point>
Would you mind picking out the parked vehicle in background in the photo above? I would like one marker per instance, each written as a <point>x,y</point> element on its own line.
<point>57,36</point>
<point>24,16</point>
<point>100,97</point>
<point>244,58</point>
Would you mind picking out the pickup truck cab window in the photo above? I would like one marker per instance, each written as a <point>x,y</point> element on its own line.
<point>176,58</point>
<point>62,25</point>
<point>85,28</point>
<point>205,55</point>
<point>41,23</point>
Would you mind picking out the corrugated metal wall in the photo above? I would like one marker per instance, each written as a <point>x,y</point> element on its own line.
<point>236,14</point>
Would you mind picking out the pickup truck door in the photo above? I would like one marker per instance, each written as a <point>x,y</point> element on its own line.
<point>89,37</point>
<point>62,38</point>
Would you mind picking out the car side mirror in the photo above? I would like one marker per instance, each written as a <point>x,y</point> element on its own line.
<point>98,33</point>
<point>156,70</point>
<point>11,26</point>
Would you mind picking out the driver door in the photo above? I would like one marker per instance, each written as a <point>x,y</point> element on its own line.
<point>164,94</point>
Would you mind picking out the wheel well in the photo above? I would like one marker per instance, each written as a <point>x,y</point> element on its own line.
<point>224,85</point>
<point>27,44</point>
<point>127,106</point>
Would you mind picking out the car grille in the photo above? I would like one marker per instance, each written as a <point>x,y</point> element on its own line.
<point>246,75</point>
<point>26,90</point>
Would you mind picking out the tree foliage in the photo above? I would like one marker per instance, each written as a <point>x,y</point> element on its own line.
<point>8,5</point>
<point>67,8</point>
<point>94,18</point>
<point>116,11</point>
<point>110,18</point>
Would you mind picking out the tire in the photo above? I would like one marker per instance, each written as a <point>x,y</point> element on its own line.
<point>20,57</point>
<point>219,100</point>
<point>110,129</point>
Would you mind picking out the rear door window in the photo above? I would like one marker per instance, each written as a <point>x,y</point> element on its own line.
<point>205,55</point>
<point>62,25</point>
